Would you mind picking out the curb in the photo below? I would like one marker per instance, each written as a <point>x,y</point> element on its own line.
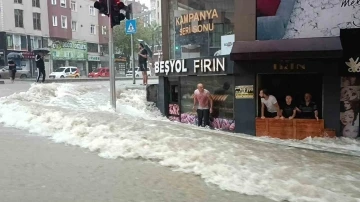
<point>85,79</point>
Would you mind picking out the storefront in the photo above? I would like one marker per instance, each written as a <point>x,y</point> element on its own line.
<point>296,67</point>
<point>69,53</point>
<point>215,73</point>
<point>93,62</point>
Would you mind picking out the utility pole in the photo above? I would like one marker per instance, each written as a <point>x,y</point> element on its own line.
<point>111,58</point>
<point>132,53</point>
<point>112,8</point>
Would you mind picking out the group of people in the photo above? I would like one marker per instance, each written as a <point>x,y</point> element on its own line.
<point>271,109</point>
<point>40,65</point>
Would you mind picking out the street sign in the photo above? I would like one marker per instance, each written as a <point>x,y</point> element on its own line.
<point>130,27</point>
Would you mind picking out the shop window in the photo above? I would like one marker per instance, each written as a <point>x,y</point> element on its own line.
<point>221,89</point>
<point>201,24</point>
<point>296,85</point>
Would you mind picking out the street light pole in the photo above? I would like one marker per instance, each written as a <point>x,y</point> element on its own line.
<point>132,53</point>
<point>111,60</point>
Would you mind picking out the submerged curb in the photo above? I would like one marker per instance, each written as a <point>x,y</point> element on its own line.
<point>85,79</point>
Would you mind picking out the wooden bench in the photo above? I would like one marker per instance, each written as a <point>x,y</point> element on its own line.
<point>292,129</point>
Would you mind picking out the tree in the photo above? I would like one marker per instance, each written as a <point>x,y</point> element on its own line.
<point>122,41</point>
<point>156,35</point>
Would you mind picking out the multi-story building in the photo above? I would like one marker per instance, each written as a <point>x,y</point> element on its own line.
<point>76,30</point>
<point>23,27</point>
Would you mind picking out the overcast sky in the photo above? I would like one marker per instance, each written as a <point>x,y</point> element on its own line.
<point>146,2</point>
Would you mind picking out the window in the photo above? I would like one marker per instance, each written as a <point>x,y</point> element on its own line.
<point>54,19</point>
<point>92,10</point>
<point>53,2</point>
<point>63,3</point>
<point>19,21</point>
<point>18,1</point>
<point>74,26</point>
<point>67,70</point>
<point>103,30</point>
<point>36,42</point>
<point>92,29</point>
<point>73,5</point>
<point>63,22</point>
<point>37,21</point>
<point>17,42</point>
<point>92,47</point>
<point>36,3</point>
<point>10,42</point>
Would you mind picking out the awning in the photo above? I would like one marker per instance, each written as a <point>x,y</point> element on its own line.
<point>304,48</point>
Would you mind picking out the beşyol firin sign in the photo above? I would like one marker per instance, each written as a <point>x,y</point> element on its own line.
<point>215,65</point>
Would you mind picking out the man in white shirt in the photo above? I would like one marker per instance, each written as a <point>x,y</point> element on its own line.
<point>272,106</point>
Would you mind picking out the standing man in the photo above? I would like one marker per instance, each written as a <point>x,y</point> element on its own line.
<point>289,108</point>
<point>39,59</point>
<point>272,106</point>
<point>143,54</point>
<point>12,70</point>
<point>205,105</point>
<point>308,109</point>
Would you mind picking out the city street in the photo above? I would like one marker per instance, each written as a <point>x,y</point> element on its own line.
<point>61,142</point>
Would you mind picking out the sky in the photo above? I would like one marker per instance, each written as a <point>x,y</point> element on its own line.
<point>146,2</point>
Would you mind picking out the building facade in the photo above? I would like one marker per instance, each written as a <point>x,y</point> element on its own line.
<point>22,35</point>
<point>271,46</point>
<point>77,33</point>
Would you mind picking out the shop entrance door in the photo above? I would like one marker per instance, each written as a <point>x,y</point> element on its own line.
<point>296,85</point>
<point>174,104</point>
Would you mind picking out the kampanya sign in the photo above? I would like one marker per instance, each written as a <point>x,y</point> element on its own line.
<point>185,22</point>
<point>180,66</point>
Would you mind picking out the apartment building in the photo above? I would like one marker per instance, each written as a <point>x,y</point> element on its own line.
<point>23,28</point>
<point>77,34</point>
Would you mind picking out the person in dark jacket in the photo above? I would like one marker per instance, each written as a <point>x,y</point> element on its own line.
<point>12,70</point>
<point>40,64</point>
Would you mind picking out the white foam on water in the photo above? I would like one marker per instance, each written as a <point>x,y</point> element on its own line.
<point>81,116</point>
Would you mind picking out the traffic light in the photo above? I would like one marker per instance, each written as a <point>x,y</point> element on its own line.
<point>115,14</point>
<point>101,5</point>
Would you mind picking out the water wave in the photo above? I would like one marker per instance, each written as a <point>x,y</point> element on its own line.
<point>81,116</point>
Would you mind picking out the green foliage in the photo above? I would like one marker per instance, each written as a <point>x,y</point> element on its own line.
<point>151,34</point>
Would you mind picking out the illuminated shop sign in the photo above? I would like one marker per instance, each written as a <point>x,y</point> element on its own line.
<point>189,23</point>
<point>194,66</point>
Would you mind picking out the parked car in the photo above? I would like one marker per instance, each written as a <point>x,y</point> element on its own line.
<point>100,72</point>
<point>20,73</point>
<point>137,72</point>
<point>65,72</point>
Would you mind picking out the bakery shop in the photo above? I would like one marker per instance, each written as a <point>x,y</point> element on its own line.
<point>216,75</point>
<point>287,74</point>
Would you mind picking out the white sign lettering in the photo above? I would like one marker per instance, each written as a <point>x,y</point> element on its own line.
<point>209,65</point>
<point>170,66</point>
<point>201,65</point>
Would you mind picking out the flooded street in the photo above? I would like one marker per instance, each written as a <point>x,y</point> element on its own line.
<point>139,151</point>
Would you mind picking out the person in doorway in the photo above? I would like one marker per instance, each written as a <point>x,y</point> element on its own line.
<point>272,106</point>
<point>308,109</point>
<point>203,98</point>
<point>40,65</point>
<point>143,55</point>
<point>12,70</point>
<point>289,109</point>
